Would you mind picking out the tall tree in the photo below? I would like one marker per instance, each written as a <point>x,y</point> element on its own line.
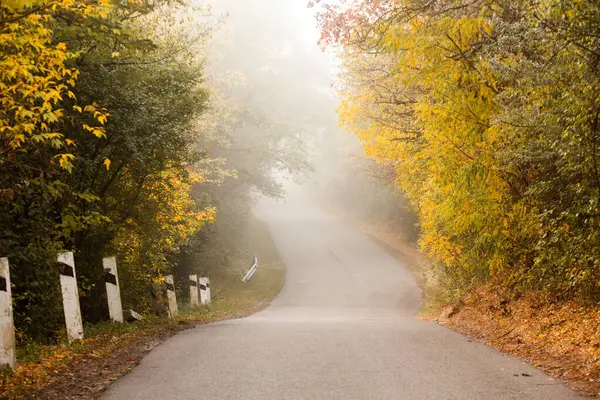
<point>487,111</point>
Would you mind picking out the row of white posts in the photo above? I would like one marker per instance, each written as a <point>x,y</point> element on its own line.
<point>70,296</point>
<point>199,290</point>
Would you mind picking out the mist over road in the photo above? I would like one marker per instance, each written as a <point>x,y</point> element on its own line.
<point>344,327</point>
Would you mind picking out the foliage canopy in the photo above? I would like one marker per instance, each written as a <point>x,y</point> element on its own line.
<point>489,112</point>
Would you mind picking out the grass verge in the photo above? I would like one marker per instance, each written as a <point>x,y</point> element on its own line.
<point>83,369</point>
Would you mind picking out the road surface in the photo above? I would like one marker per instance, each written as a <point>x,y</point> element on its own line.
<point>344,327</point>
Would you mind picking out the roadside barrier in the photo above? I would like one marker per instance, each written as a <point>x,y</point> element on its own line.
<point>251,271</point>
<point>171,298</point>
<point>70,296</point>
<point>199,288</point>
<point>7,328</point>
<point>194,290</point>
<point>113,291</point>
<point>204,287</point>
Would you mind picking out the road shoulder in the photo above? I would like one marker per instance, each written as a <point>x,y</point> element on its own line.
<point>560,338</point>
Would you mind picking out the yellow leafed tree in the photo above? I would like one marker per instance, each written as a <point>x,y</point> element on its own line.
<point>493,138</point>
<point>35,77</point>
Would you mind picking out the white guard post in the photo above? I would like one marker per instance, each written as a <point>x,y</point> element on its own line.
<point>70,295</point>
<point>7,327</point>
<point>113,290</point>
<point>173,311</point>
<point>251,271</point>
<point>194,290</point>
<point>203,291</point>
<point>207,280</point>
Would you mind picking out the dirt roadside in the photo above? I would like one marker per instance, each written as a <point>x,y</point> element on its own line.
<point>561,338</point>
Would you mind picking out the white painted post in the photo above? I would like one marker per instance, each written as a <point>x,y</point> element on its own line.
<point>207,290</point>
<point>194,290</point>
<point>70,295</point>
<point>203,290</point>
<point>173,311</point>
<point>113,290</point>
<point>7,327</point>
<point>251,271</point>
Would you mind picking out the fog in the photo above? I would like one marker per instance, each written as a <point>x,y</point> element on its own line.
<point>272,46</point>
<point>268,52</point>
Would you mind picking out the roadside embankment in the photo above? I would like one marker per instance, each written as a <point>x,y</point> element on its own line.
<point>83,369</point>
<point>561,338</point>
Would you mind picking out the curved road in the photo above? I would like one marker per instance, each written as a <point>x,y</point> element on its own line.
<point>344,327</point>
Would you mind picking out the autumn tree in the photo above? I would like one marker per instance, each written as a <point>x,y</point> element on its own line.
<point>487,111</point>
<point>113,148</point>
<point>100,139</point>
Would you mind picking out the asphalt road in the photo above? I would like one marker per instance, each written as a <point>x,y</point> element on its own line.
<point>344,327</point>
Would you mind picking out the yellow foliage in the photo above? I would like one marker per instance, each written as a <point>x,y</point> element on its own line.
<point>426,107</point>
<point>34,76</point>
<point>167,217</point>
